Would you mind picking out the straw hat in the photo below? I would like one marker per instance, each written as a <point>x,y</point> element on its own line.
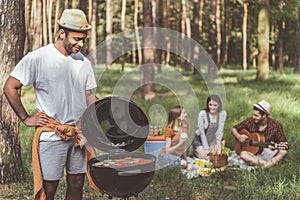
<point>263,106</point>
<point>74,19</point>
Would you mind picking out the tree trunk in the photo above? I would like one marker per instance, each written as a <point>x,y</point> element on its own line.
<point>297,65</point>
<point>187,65</point>
<point>93,32</point>
<point>201,6</point>
<point>245,18</point>
<point>155,22</point>
<point>280,47</point>
<point>166,55</point>
<point>176,27</point>
<point>227,35</point>
<point>109,29</point>
<point>263,41</point>
<point>183,31</point>
<point>36,35</point>
<point>136,26</point>
<point>11,47</point>
<point>74,3</point>
<point>147,69</point>
<point>212,48</point>
<point>123,13</point>
<point>83,5</point>
<point>27,27</point>
<point>158,23</point>
<point>66,4</point>
<point>50,21</point>
<point>45,29</point>
<point>196,36</point>
<point>56,16</point>
<point>218,34</point>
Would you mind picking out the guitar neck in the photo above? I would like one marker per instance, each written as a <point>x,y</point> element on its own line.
<point>281,145</point>
<point>260,144</point>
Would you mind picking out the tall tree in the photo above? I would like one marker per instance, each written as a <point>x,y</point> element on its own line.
<point>297,65</point>
<point>263,32</point>
<point>280,45</point>
<point>212,48</point>
<point>218,33</point>
<point>227,31</point>
<point>56,16</point>
<point>123,13</point>
<point>49,17</point>
<point>36,34</point>
<point>196,34</point>
<point>93,32</point>
<point>11,46</point>
<point>186,28</point>
<point>166,55</point>
<point>109,32</point>
<point>147,69</point>
<point>245,18</point>
<point>138,44</point>
<point>281,27</point>
<point>27,28</point>
<point>44,23</point>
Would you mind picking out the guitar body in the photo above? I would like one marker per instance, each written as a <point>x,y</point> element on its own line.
<point>246,146</point>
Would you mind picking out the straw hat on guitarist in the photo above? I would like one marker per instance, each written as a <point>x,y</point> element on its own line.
<point>260,140</point>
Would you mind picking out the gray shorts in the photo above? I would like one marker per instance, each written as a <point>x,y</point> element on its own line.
<point>267,154</point>
<point>55,156</point>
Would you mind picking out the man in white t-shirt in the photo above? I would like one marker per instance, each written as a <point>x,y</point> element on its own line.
<point>63,80</point>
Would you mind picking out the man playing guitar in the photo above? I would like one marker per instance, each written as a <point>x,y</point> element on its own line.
<point>270,129</point>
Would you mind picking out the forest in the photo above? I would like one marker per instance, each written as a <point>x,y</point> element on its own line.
<point>230,30</point>
<point>254,42</point>
<point>244,34</point>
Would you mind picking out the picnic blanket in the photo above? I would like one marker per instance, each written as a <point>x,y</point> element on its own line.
<point>234,162</point>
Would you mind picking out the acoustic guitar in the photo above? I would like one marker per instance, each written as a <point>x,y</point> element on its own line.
<point>256,143</point>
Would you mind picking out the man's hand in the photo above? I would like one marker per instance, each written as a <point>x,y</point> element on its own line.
<point>271,146</point>
<point>242,138</point>
<point>37,120</point>
<point>81,140</point>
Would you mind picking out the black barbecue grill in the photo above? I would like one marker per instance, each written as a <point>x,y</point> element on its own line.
<point>117,126</point>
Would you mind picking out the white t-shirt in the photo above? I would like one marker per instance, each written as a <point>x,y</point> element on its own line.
<point>59,82</point>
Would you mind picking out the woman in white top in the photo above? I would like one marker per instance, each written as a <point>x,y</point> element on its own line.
<point>209,132</point>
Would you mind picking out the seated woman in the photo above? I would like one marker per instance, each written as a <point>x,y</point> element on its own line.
<point>209,132</point>
<point>176,138</point>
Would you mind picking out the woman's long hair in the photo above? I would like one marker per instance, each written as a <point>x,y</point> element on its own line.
<point>215,98</point>
<point>174,113</point>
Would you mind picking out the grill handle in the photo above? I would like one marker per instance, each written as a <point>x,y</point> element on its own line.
<point>130,172</point>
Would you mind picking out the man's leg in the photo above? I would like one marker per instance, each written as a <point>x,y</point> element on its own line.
<point>50,188</point>
<point>75,184</point>
<point>278,157</point>
<point>251,159</point>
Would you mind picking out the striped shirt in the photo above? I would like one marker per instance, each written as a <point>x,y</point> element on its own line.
<point>272,133</point>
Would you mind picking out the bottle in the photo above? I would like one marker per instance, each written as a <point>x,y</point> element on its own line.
<point>159,130</point>
<point>151,132</point>
<point>155,130</point>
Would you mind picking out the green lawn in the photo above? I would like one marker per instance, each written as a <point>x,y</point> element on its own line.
<point>240,93</point>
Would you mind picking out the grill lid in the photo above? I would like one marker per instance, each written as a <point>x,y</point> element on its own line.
<point>115,123</point>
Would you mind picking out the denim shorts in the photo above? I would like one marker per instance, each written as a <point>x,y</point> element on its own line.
<point>56,156</point>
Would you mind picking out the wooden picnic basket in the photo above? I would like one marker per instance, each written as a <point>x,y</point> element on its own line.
<point>218,160</point>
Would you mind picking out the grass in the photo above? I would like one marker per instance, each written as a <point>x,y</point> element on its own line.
<point>240,91</point>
